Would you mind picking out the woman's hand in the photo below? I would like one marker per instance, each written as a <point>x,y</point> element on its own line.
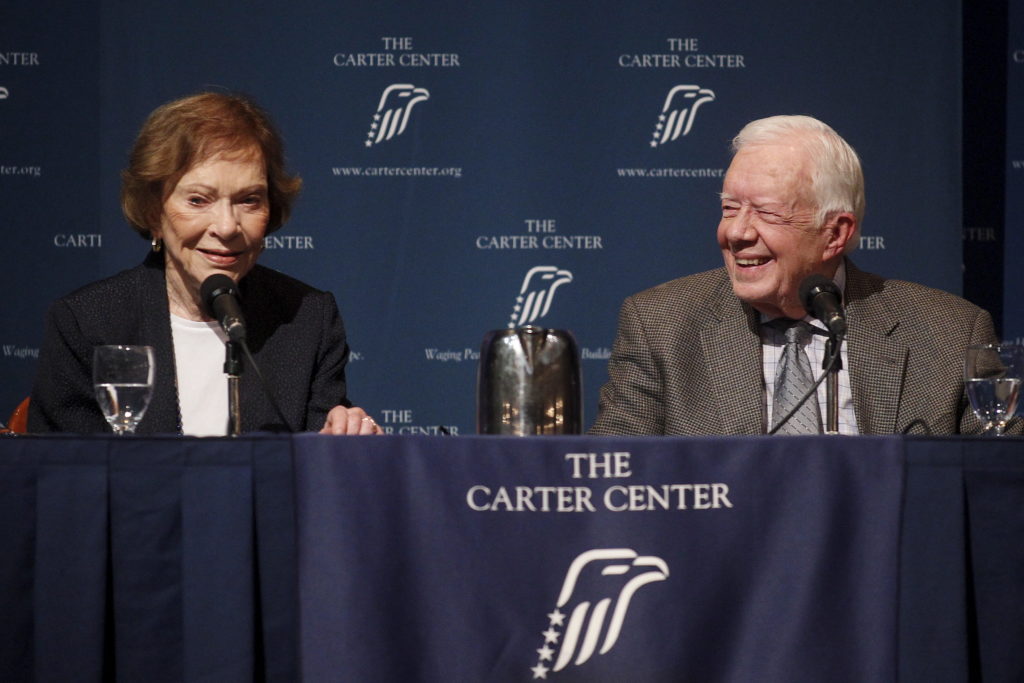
<point>342,420</point>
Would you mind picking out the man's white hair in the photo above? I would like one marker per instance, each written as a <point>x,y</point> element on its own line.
<point>837,181</point>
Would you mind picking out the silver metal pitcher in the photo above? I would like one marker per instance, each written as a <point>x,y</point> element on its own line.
<point>528,382</point>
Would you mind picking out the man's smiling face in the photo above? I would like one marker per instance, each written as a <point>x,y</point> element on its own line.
<point>768,233</point>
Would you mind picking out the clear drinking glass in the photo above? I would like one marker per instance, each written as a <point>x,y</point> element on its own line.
<point>992,374</point>
<point>123,379</point>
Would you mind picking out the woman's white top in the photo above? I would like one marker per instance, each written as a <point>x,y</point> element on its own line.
<point>202,384</point>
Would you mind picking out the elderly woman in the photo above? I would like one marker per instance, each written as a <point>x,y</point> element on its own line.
<point>204,184</point>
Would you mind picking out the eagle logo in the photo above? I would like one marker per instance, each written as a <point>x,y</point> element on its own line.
<point>393,111</point>
<point>679,112</point>
<point>534,300</point>
<point>595,615</point>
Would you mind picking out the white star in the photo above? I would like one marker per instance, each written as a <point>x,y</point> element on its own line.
<point>540,671</point>
<point>516,308</point>
<point>556,617</point>
<point>661,118</point>
<point>659,126</point>
<point>550,636</point>
<point>519,299</point>
<point>373,126</point>
<point>376,117</point>
<point>654,143</point>
<point>369,144</point>
<point>545,653</point>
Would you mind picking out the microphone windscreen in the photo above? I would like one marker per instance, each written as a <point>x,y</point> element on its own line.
<point>812,286</point>
<point>213,287</point>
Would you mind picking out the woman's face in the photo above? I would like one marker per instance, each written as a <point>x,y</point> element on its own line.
<point>213,221</point>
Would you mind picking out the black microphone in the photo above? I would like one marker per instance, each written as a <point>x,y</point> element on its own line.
<point>220,296</point>
<point>821,298</point>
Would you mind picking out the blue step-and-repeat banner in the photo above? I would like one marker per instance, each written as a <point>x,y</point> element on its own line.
<point>471,166</point>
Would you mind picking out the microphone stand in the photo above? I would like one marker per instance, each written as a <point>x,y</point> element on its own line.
<point>233,369</point>
<point>832,346</point>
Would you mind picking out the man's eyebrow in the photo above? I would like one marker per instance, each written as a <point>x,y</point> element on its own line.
<point>726,197</point>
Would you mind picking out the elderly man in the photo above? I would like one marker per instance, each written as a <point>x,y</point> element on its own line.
<point>706,354</point>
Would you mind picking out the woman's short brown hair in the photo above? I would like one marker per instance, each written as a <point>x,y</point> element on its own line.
<point>182,133</point>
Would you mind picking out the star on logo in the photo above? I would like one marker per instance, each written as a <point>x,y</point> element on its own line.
<point>550,636</point>
<point>540,671</point>
<point>368,143</point>
<point>545,653</point>
<point>557,618</point>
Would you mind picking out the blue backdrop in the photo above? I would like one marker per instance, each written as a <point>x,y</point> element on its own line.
<point>1014,169</point>
<point>458,156</point>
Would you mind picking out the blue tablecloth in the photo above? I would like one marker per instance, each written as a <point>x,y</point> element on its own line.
<point>496,558</point>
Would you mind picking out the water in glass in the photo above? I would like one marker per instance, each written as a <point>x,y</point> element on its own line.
<point>992,375</point>
<point>123,381</point>
<point>994,400</point>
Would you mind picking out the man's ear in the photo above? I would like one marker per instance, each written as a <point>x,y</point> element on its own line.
<point>841,228</point>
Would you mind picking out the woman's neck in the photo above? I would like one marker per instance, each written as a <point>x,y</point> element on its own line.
<point>182,301</point>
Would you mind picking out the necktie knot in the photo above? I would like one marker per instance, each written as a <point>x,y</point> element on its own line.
<point>798,332</point>
<point>794,331</point>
